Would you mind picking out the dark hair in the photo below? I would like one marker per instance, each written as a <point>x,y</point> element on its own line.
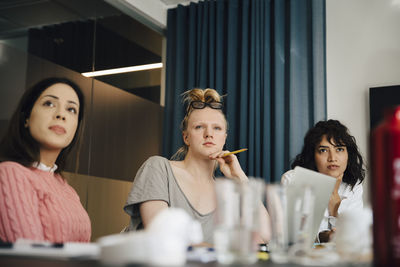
<point>338,133</point>
<point>18,144</point>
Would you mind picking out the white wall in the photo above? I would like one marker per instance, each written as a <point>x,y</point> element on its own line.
<point>363,51</point>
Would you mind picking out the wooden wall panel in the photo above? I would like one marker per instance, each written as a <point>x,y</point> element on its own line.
<point>125,131</point>
<point>103,199</point>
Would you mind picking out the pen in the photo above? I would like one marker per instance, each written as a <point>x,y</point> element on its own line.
<point>5,244</point>
<point>24,245</point>
<point>234,152</point>
<point>47,245</point>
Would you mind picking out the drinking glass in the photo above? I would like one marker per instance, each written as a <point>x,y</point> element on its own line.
<point>237,220</point>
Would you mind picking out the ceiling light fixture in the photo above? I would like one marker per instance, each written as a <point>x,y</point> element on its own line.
<point>122,70</point>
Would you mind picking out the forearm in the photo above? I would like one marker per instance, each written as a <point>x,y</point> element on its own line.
<point>265,224</point>
<point>241,176</point>
<point>333,208</point>
<point>264,220</point>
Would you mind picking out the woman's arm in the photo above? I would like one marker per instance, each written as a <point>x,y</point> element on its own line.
<point>19,207</point>
<point>149,209</point>
<point>352,199</point>
<point>231,168</point>
<point>149,192</point>
<point>328,227</point>
<point>342,199</point>
<point>335,199</point>
<point>265,223</point>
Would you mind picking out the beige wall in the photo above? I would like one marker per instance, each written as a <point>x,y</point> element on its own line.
<point>103,199</point>
<point>363,51</point>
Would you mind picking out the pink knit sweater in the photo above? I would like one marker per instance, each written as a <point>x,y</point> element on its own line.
<point>39,205</point>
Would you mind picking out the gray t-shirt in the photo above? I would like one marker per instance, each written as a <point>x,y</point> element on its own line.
<point>156,181</point>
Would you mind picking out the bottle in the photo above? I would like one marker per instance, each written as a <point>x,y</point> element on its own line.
<point>385,189</point>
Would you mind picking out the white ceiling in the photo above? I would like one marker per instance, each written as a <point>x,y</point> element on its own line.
<point>152,13</point>
<point>174,2</point>
<point>18,15</point>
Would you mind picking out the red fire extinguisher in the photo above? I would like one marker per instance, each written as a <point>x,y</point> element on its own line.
<point>385,189</point>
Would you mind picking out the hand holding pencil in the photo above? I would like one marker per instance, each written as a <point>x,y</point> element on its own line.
<point>234,152</point>
<point>230,166</point>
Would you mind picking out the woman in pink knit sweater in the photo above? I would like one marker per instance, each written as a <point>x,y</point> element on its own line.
<point>35,201</point>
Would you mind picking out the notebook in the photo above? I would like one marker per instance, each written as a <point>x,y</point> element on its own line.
<point>307,188</point>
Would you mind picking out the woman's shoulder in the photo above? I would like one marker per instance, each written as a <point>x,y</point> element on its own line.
<point>156,160</point>
<point>12,172</point>
<point>289,173</point>
<point>14,166</point>
<point>287,177</point>
<point>346,188</point>
<point>156,164</point>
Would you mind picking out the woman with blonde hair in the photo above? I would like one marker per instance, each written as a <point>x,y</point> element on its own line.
<point>187,181</point>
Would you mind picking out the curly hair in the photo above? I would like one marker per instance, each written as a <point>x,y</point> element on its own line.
<point>205,95</point>
<point>338,134</point>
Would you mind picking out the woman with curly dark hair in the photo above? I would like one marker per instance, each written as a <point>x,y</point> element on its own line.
<point>330,149</point>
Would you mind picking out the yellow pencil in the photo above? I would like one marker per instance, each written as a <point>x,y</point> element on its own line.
<point>234,152</point>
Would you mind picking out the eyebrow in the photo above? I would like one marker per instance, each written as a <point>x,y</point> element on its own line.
<point>333,145</point>
<point>55,97</point>
<point>207,122</point>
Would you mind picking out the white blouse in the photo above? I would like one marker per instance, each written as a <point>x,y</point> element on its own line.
<point>43,167</point>
<point>351,199</point>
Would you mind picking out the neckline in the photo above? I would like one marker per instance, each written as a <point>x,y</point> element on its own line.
<point>180,189</point>
<point>43,167</point>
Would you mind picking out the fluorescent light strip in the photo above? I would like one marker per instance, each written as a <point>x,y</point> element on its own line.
<point>122,70</point>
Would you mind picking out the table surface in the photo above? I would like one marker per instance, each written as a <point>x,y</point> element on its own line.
<point>23,261</point>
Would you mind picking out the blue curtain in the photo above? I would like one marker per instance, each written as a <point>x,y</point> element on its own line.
<point>268,57</point>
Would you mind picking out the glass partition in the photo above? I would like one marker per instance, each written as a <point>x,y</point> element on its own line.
<point>65,38</point>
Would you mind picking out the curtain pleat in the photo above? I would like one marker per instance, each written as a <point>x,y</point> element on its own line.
<point>268,57</point>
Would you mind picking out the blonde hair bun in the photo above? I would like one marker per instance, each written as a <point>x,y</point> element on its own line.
<point>205,95</point>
